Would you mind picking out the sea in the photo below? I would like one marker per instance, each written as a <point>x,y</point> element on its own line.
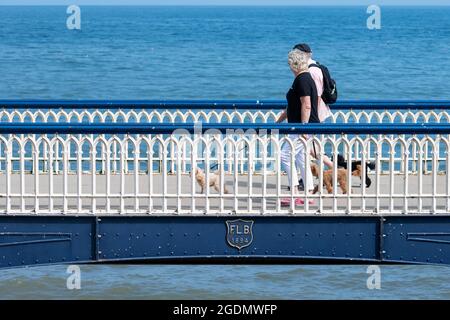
<point>221,52</point>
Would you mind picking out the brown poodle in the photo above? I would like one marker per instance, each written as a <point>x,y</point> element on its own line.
<point>214,180</point>
<point>328,177</point>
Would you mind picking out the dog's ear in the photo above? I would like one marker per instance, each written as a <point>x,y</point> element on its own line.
<point>341,161</point>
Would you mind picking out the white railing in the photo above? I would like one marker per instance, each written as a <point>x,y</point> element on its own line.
<point>351,112</point>
<point>148,173</point>
<point>213,116</point>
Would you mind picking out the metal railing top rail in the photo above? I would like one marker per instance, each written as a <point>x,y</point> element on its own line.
<point>216,104</point>
<point>169,128</point>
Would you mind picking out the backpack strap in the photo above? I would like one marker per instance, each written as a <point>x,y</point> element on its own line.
<point>317,65</point>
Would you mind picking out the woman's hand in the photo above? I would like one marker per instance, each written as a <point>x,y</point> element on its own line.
<point>282,117</point>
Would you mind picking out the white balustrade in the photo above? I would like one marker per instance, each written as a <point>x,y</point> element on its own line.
<point>150,174</point>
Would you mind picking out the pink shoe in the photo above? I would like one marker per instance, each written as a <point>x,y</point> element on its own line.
<point>285,202</point>
<point>300,202</point>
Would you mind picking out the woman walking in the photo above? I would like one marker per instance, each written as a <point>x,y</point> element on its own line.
<point>302,99</point>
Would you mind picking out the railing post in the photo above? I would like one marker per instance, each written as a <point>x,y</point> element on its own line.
<point>164,176</point>
<point>193,169</point>
<point>22,174</point>
<point>235,176</point>
<point>36,177</point>
<point>136,154</point>
<point>250,165</point>
<point>50,175</point>
<point>108,175</point>
<point>1,169</point>
<point>172,158</point>
<point>207,173</point>
<point>264,173</point>
<point>65,170</point>
<point>79,172</point>
<point>8,152</point>
<point>307,167</point>
<point>321,169</point>
<point>124,151</point>
<point>56,156</point>
<point>434,169</point>
<point>447,173</point>
<point>406,175</point>
<point>349,177</point>
<point>391,176</point>
<point>122,155</point>
<point>178,155</point>
<point>93,156</point>
<point>364,159</point>
<point>420,176</point>
<point>150,173</point>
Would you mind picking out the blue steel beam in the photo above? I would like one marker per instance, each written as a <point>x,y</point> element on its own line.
<point>25,240</point>
<point>417,239</point>
<point>169,128</point>
<point>37,240</point>
<point>217,104</point>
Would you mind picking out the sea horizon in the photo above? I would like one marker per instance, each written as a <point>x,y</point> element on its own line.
<point>229,5</point>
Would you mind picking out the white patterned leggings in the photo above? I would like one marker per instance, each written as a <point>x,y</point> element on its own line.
<point>299,161</point>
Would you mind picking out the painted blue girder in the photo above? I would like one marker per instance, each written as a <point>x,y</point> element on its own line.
<point>218,104</point>
<point>36,240</point>
<point>213,128</point>
<point>417,239</point>
<point>46,240</point>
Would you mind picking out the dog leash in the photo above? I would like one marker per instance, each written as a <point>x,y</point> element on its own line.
<point>314,147</point>
<point>217,164</point>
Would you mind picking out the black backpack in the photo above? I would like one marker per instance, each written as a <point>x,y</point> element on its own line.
<point>330,93</point>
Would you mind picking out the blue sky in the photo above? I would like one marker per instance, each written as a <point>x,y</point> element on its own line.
<point>225,2</point>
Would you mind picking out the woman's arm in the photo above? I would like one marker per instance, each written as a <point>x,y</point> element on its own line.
<point>282,117</point>
<point>306,108</point>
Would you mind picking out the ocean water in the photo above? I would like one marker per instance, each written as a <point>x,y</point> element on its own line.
<point>221,53</point>
<point>202,282</point>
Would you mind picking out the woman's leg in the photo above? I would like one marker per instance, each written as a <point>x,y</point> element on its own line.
<point>304,167</point>
<point>286,154</point>
<point>299,155</point>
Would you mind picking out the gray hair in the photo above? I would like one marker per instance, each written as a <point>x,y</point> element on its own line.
<point>298,60</point>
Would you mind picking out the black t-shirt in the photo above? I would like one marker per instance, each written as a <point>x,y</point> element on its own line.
<point>302,86</point>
